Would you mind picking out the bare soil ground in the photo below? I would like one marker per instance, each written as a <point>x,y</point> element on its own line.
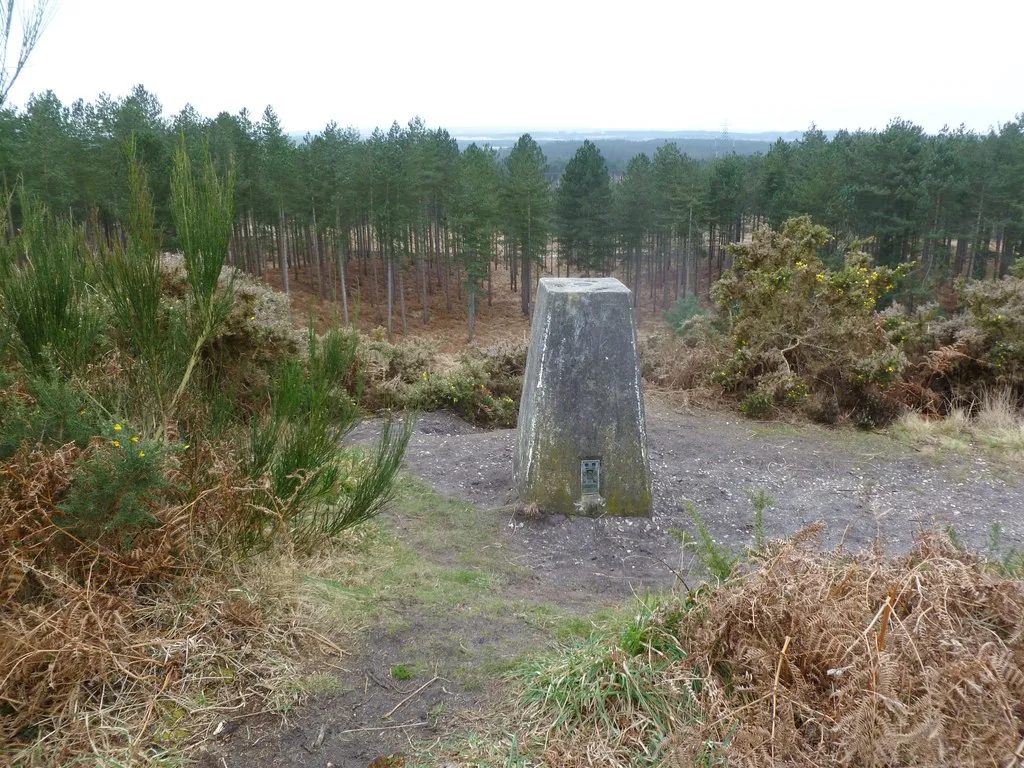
<point>511,586</point>
<point>499,319</point>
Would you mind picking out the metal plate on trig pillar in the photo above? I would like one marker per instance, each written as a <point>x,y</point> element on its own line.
<point>590,477</point>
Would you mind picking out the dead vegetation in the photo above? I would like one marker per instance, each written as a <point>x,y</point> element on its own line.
<point>807,659</point>
<point>994,422</point>
<point>129,649</point>
<point>682,367</point>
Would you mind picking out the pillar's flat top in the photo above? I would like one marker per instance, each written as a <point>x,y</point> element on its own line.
<point>583,285</point>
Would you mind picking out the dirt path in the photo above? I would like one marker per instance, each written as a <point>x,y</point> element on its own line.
<point>865,487</point>
<point>522,581</point>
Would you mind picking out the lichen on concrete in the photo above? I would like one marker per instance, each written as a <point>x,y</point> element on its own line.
<point>583,399</point>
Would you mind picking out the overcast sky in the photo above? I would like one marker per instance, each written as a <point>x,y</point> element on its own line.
<point>755,66</point>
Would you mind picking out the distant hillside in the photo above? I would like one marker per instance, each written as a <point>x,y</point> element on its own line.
<point>618,152</point>
<point>505,138</point>
<point>619,147</point>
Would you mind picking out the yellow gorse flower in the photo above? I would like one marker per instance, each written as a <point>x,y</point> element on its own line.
<point>115,443</point>
<point>142,454</point>
<point>117,427</point>
<point>135,439</point>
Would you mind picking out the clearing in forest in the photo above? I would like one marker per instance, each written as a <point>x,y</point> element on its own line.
<point>453,590</point>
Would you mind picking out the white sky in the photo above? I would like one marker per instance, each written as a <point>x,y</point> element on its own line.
<point>770,65</point>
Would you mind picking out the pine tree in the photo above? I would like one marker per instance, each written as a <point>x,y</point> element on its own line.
<point>275,183</point>
<point>584,208</point>
<point>477,216</point>
<point>527,199</point>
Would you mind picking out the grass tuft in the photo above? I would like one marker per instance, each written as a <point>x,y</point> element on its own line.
<point>995,422</point>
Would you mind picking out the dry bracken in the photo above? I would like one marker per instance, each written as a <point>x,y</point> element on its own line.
<point>117,650</point>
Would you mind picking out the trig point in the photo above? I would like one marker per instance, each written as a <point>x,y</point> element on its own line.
<point>581,444</point>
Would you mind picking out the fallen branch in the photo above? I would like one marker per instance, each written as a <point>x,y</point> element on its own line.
<point>384,728</point>
<point>406,699</point>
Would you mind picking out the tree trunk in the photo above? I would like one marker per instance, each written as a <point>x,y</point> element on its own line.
<point>447,271</point>
<point>527,257</point>
<point>711,256</point>
<point>341,256</point>
<point>471,311</point>
<point>401,300</point>
<point>975,241</point>
<point>638,277</point>
<point>282,251</point>
<point>687,254</point>
<point>666,266</point>
<point>317,263</point>
<point>389,290</point>
<point>423,282</point>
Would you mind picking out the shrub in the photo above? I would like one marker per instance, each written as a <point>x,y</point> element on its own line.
<point>92,629</point>
<point>687,358</point>
<point>683,310</point>
<point>46,291</point>
<point>960,352</point>
<point>315,488</point>
<point>797,328</point>
<point>483,387</point>
<point>758,404</point>
<point>718,559</point>
<point>118,536</point>
<point>117,486</point>
<point>793,657</point>
<point>45,410</point>
<point>800,658</point>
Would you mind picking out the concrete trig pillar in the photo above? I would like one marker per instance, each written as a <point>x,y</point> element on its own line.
<point>581,444</point>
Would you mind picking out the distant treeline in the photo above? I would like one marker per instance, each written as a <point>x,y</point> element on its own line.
<point>618,152</point>
<point>402,214</point>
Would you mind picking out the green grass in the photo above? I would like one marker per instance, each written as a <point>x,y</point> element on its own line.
<point>428,574</point>
<point>402,672</point>
<point>622,682</point>
<point>444,558</point>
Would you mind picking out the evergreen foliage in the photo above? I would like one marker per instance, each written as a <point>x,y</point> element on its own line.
<point>584,208</point>
<point>394,203</point>
<point>527,200</point>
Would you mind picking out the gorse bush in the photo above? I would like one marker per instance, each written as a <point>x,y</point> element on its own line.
<point>117,486</point>
<point>130,273</point>
<point>314,487</point>
<point>791,333</point>
<point>719,560</point>
<point>956,357</point>
<point>44,409</point>
<point>483,387</point>
<point>203,214</point>
<point>797,328</point>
